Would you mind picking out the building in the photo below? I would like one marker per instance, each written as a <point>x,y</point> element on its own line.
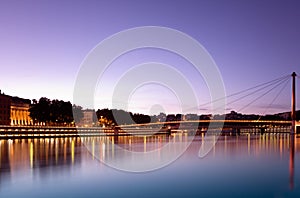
<point>19,111</point>
<point>192,116</point>
<point>14,110</point>
<point>161,117</point>
<point>284,115</point>
<point>88,119</point>
<point>5,102</point>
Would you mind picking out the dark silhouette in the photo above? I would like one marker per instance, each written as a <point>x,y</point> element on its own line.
<point>40,111</point>
<point>120,117</point>
<point>61,112</point>
<point>55,112</point>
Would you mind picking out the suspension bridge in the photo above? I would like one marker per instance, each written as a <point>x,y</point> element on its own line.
<point>259,125</point>
<point>238,125</point>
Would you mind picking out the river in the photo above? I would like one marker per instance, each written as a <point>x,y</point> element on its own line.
<point>248,165</point>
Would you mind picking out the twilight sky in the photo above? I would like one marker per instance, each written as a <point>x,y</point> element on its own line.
<point>43,43</point>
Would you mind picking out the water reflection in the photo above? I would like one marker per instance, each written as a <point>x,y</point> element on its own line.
<point>292,160</point>
<point>24,154</point>
<point>34,153</point>
<point>42,156</point>
<point>137,153</point>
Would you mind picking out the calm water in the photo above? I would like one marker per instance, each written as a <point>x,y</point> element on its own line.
<point>238,166</point>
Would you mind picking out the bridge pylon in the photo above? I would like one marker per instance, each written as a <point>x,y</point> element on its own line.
<point>293,111</point>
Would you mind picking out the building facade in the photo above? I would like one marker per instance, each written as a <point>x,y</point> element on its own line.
<point>14,110</point>
<point>88,119</point>
<point>5,102</point>
<point>19,112</point>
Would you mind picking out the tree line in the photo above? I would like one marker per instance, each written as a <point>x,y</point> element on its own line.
<point>59,112</point>
<point>54,112</point>
<point>121,117</point>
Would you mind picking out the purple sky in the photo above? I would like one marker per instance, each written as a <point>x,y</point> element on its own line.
<point>42,44</point>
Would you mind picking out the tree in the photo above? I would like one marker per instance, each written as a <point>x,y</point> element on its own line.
<point>141,118</point>
<point>55,112</point>
<point>120,117</point>
<point>105,117</point>
<point>40,111</point>
<point>61,112</point>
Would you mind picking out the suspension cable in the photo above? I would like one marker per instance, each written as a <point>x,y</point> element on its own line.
<point>257,98</point>
<point>282,88</point>
<point>255,91</point>
<point>248,89</point>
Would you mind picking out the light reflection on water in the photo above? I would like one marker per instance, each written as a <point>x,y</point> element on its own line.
<point>246,165</point>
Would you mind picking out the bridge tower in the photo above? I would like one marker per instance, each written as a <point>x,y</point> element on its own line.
<point>293,112</point>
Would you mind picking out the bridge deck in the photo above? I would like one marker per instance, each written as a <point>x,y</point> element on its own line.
<point>201,126</point>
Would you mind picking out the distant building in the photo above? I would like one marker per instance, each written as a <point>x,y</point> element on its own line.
<point>4,109</point>
<point>88,119</point>
<point>233,116</point>
<point>192,116</point>
<point>238,116</point>
<point>14,110</point>
<point>284,115</point>
<point>161,117</point>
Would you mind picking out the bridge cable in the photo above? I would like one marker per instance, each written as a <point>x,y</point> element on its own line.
<point>248,89</point>
<point>275,84</point>
<point>257,98</point>
<point>282,88</point>
<point>253,92</point>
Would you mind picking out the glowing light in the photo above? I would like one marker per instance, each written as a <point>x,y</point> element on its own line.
<point>248,144</point>
<point>103,150</point>
<point>73,151</point>
<point>93,149</point>
<point>31,154</point>
<point>145,144</point>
